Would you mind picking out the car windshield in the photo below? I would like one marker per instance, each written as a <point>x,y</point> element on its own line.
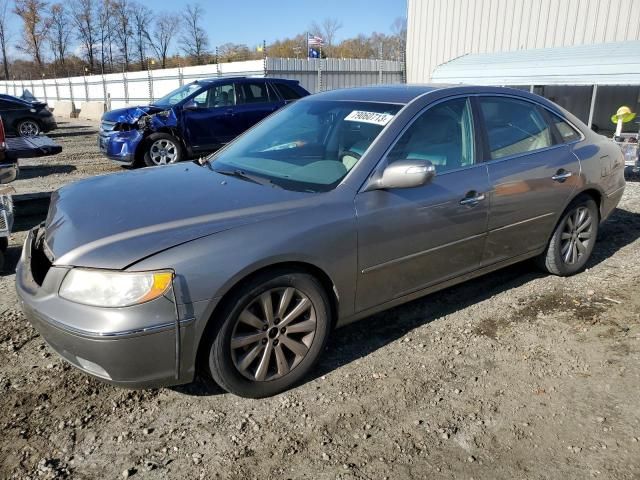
<point>177,95</point>
<point>310,145</point>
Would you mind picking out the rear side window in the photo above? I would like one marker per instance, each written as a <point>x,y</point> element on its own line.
<point>255,92</point>
<point>514,126</point>
<point>286,91</point>
<point>567,132</point>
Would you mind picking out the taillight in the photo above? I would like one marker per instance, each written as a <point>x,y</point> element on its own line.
<point>2,135</point>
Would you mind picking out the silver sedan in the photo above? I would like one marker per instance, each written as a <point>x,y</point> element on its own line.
<point>336,207</point>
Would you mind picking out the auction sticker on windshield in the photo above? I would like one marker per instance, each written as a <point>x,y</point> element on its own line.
<point>369,117</point>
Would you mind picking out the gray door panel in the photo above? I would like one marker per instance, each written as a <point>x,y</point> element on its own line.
<point>411,238</point>
<point>526,202</point>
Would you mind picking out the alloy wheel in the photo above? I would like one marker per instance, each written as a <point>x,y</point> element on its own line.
<point>163,152</point>
<point>273,334</point>
<point>29,128</point>
<point>576,235</point>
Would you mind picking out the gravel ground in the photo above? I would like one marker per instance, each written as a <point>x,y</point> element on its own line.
<point>515,375</point>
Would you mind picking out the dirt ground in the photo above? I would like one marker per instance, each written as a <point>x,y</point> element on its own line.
<point>515,375</point>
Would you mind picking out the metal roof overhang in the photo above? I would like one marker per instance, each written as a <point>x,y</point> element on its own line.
<point>615,63</point>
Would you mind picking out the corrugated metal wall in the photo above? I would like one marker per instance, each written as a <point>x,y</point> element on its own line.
<point>440,30</point>
<point>330,73</point>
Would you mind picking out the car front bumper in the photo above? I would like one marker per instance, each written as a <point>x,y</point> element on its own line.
<point>138,347</point>
<point>48,123</point>
<point>120,146</point>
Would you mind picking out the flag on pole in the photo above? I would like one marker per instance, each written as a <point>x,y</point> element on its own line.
<point>315,40</point>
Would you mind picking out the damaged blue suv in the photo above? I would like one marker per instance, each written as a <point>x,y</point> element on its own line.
<point>193,120</point>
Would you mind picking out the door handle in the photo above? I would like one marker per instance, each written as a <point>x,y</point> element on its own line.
<point>561,176</point>
<point>230,112</point>
<point>473,200</point>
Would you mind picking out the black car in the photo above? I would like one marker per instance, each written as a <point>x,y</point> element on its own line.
<point>25,118</point>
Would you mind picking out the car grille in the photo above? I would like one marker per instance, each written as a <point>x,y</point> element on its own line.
<point>4,222</point>
<point>6,214</point>
<point>40,262</point>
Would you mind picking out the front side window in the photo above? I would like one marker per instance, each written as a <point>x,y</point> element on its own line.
<point>307,146</point>
<point>443,135</point>
<point>514,126</point>
<point>217,96</point>
<point>178,95</point>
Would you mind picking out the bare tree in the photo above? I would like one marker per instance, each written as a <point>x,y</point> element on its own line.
<point>399,31</point>
<point>165,28</point>
<point>105,32</point>
<point>194,41</point>
<point>85,20</point>
<point>4,35</point>
<point>35,29</point>
<point>59,33</point>
<point>123,28</point>
<point>141,17</point>
<point>327,30</point>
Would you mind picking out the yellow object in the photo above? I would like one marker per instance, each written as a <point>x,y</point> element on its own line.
<point>624,113</point>
<point>161,282</point>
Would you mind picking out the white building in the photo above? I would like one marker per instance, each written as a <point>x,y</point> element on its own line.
<point>583,54</point>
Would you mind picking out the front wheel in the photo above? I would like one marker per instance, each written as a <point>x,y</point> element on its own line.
<point>162,149</point>
<point>272,334</point>
<point>573,239</point>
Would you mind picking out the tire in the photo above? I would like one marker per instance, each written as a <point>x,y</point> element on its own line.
<point>162,149</point>
<point>257,357</point>
<point>1,260</point>
<point>28,128</point>
<point>564,256</point>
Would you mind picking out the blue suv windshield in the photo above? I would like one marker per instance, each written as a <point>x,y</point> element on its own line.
<point>177,95</point>
<point>308,146</point>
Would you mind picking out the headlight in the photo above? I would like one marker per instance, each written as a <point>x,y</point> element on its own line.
<point>102,288</point>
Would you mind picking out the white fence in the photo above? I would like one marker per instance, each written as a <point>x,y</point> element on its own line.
<point>116,90</point>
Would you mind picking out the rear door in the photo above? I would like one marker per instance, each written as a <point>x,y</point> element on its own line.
<point>256,100</point>
<point>213,122</point>
<point>532,173</point>
<point>412,238</point>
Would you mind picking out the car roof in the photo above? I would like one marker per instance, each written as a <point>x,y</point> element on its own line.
<point>403,94</point>
<point>11,98</point>
<point>242,78</point>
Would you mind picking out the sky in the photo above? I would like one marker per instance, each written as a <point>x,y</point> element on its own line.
<point>252,21</point>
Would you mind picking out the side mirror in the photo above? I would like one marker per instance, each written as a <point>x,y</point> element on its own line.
<point>404,174</point>
<point>190,105</point>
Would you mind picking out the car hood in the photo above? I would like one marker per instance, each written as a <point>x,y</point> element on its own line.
<point>113,221</point>
<point>130,114</point>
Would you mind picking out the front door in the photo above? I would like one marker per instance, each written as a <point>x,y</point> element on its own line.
<point>532,173</point>
<point>409,239</point>
<point>213,121</point>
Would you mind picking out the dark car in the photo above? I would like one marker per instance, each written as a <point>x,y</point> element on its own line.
<point>336,207</point>
<point>193,120</point>
<point>25,118</point>
<point>11,149</point>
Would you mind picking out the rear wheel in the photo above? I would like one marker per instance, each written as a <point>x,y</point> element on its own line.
<point>272,334</point>
<point>573,239</point>
<point>162,149</point>
<point>28,128</point>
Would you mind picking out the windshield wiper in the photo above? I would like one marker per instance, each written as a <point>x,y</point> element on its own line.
<point>247,176</point>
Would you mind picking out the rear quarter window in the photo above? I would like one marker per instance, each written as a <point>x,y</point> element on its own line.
<point>287,92</point>
<point>567,133</point>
